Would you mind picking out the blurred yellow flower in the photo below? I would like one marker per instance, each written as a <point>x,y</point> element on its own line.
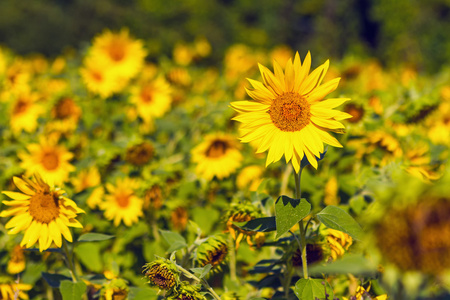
<point>152,98</point>
<point>12,291</point>
<point>121,202</point>
<point>101,80</point>
<point>24,112</point>
<point>287,115</point>
<point>65,114</point>
<point>218,155</point>
<point>86,178</point>
<point>338,241</point>
<point>41,211</point>
<point>250,178</point>
<point>48,159</point>
<point>118,52</point>
<point>17,262</point>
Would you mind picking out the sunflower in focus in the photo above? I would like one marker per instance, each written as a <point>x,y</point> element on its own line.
<point>118,51</point>
<point>41,211</point>
<point>48,159</point>
<point>288,115</point>
<point>152,99</point>
<point>218,156</point>
<point>121,202</point>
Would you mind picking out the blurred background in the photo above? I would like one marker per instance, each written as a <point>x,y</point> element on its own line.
<point>411,32</point>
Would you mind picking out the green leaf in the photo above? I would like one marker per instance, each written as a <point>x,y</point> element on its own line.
<point>355,264</point>
<point>71,290</point>
<point>289,212</point>
<point>202,272</point>
<point>312,289</point>
<point>174,239</point>
<point>265,224</point>
<point>89,255</point>
<point>54,280</point>
<point>142,293</point>
<point>337,218</point>
<point>94,237</point>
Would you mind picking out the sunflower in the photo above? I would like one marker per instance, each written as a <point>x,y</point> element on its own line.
<point>288,114</point>
<point>41,211</point>
<point>48,159</point>
<point>118,51</point>
<point>24,112</point>
<point>218,156</point>
<point>10,290</point>
<point>152,98</point>
<point>121,203</point>
<point>65,114</point>
<point>101,80</point>
<point>17,262</point>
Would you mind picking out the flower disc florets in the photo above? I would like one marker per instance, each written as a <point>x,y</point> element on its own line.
<point>163,274</point>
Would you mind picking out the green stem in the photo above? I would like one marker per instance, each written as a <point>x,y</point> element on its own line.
<point>232,261</point>
<point>202,281</point>
<point>298,195</point>
<point>68,255</point>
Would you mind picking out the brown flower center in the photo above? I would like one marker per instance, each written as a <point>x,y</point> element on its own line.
<point>290,112</point>
<point>140,154</point>
<point>217,149</point>
<point>123,200</point>
<point>44,206</point>
<point>146,94</point>
<point>116,50</point>
<point>356,111</point>
<point>50,160</point>
<point>20,107</point>
<point>64,108</point>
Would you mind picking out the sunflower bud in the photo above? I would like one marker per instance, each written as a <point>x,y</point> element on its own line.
<point>187,291</point>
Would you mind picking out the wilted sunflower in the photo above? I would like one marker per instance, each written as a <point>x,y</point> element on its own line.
<point>41,211</point>
<point>213,251</point>
<point>218,156</point>
<point>162,273</point>
<point>288,114</point>
<point>48,159</point>
<point>121,202</point>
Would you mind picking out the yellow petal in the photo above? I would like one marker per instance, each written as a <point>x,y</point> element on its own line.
<point>302,72</point>
<point>279,73</point>
<point>64,229</point>
<point>43,239</point>
<point>270,81</point>
<point>260,96</point>
<point>55,234</point>
<point>320,92</point>
<point>327,138</point>
<point>331,103</point>
<point>22,185</point>
<point>16,196</point>
<point>326,123</point>
<point>289,76</point>
<point>314,79</point>
<point>249,106</point>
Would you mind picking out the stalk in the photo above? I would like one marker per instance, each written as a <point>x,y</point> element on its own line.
<point>298,195</point>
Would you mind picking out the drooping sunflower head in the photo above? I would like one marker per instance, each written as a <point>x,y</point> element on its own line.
<point>288,114</point>
<point>218,156</point>
<point>162,273</point>
<point>315,253</point>
<point>213,251</point>
<point>42,212</point>
<point>241,212</point>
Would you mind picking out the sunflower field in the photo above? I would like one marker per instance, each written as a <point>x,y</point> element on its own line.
<point>143,160</point>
